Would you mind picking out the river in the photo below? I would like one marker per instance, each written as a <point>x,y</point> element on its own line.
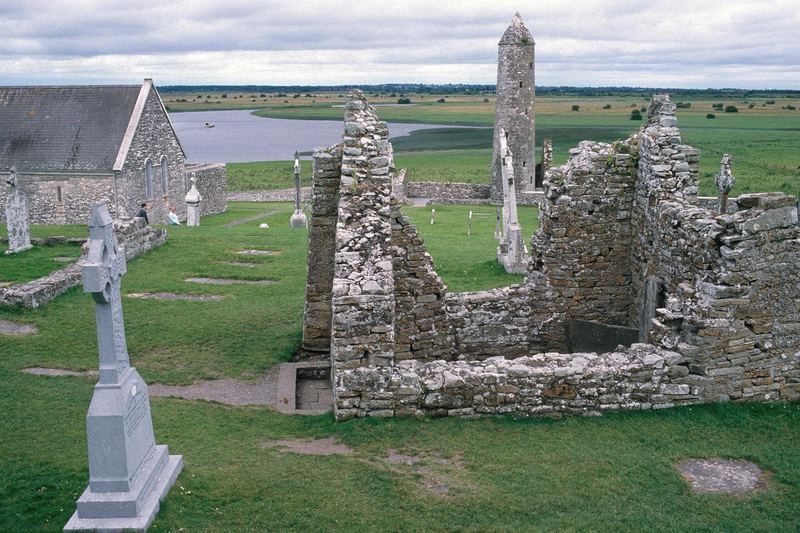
<point>238,136</point>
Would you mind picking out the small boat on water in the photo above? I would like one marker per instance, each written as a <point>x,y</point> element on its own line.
<point>208,125</point>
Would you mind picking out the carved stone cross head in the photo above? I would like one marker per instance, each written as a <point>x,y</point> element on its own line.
<point>105,262</point>
<point>296,163</point>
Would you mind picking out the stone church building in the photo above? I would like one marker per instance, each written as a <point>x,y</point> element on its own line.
<point>73,146</point>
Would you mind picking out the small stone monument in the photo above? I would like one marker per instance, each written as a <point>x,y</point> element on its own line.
<point>129,474</point>
<point>725,182</point>
<point>193,200</point>
<point>469,223</point>
<point>512,252</point>
<point>298,219</point>
<point>19,237</point>
<point>433,215</point>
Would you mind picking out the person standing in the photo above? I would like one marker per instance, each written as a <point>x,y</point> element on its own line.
<point>143,214</point>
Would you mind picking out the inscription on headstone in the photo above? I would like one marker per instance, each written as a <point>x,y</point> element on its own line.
<point>129,474</point>
<point>19,237</point>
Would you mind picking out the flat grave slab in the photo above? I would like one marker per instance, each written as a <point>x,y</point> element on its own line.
<point>258,252</point>
<point>242,264</point>
<point>7,327</point>
<point>722,476</point>
<point>229,281</point>
<point>176,296</point>
<point>58,372</point>
<point>327,446</point>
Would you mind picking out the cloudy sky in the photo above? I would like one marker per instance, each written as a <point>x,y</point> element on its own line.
<point>653,43</point>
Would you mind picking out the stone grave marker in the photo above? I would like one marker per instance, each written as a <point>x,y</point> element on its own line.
<point>128,472</point>
<point>19,237</point>
<point>193,200</point>
<point>298,219</point>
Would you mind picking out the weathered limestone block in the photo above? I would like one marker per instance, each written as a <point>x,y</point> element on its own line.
<point>19,237</point>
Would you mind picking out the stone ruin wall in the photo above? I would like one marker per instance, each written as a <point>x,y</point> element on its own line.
<point>726,326</point>
<point>212,182</point>
<point>327,169</point>
<point>78,196</point>
<point>153,138</point>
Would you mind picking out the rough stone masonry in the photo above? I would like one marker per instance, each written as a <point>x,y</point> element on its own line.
<point>514,114</point>
<point>622,243</point>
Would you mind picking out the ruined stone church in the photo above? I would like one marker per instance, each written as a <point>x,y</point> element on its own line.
<point>635,297</point>
<point>74,146</point>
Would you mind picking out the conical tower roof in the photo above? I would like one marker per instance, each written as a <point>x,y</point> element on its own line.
<point>517,33</point>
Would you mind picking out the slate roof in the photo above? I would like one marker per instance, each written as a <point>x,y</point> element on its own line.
<point>64,128</point>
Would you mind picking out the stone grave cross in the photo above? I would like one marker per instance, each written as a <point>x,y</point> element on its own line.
<point>102,274</point>
<point>298,218</point>
<point>129,474</point>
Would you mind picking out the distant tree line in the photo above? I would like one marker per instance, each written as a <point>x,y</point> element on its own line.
<point>461,88</point>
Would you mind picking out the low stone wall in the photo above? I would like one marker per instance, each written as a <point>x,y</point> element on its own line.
<point>137,237</point>
<point>712,204</point>
<point>276,195</point>
<point>530,198</point>
<point>447,192</point>
<point>212,182</point>
<point>642,377</point>
<point>132,233</point>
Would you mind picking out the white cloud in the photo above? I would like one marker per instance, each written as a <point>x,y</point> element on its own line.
<point>623,42</point>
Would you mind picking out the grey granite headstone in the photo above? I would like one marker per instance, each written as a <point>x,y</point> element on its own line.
<point>129,474</point>
<point>193,200</point>
<point>19,237</point>
<point>298,219</point>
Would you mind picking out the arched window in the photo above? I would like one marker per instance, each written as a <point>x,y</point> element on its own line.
<point>148,179</point>
<point>164,176</point>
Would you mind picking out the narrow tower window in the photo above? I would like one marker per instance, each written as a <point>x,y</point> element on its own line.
<point>164,175</point>
<point>520,85</point>
<point>148,179</point>
<point>58,194</point>
<point>530,65</point>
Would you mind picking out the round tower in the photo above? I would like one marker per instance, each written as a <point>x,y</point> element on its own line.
<point>514,112</point>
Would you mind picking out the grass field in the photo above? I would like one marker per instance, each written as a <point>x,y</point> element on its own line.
<point>764,139</point>
<point>610,473</point>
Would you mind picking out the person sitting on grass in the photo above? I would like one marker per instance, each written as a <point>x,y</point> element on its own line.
<point>143,214</point>
<point>173,217</point>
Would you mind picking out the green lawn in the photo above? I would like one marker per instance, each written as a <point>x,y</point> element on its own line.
<point>468,262</point>
<point>610,473</point>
